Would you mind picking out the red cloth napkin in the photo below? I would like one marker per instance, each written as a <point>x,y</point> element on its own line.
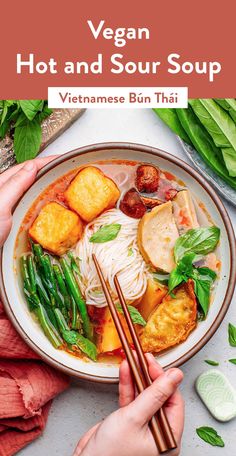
<point>27,387</point>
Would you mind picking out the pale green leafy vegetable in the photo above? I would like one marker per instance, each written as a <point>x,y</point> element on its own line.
<point>217,122</point>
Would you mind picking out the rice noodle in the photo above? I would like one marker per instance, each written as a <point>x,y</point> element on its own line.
<point>114,257</point>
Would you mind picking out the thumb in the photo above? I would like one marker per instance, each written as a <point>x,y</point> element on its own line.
<point>155,396</point>
<point>15,187</point>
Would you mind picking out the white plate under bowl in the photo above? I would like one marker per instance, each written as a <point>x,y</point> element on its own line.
<point>12,293</point>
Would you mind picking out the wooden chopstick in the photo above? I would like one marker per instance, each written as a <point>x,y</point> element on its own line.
<point>158,433</point>
<point>163,421</point>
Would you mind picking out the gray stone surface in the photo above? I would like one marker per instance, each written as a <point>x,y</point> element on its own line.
<point>84,404</point>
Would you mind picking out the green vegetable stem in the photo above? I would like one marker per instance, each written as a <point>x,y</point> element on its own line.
<point>75,292</point>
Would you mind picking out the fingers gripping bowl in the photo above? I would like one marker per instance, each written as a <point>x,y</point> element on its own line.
<point>151,199</point>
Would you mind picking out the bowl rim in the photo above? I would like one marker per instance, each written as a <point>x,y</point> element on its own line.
<point>225,218</point>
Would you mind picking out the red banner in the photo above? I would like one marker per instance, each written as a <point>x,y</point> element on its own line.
<point>126,43</point>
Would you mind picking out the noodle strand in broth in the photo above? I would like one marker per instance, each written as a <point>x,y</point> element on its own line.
<point>120,256</point>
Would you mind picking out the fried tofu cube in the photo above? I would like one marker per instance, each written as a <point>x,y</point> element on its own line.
<point>91,192</point>
<point>56,228</point>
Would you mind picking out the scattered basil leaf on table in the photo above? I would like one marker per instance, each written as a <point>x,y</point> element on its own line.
<point>211,362</point>
<point>232,335</point>
<point>198,240</point>
<point>232,360</point>
<point>209,435</point>
<point>135,315</point>
<point>106,233</point>
<point>85,345</point>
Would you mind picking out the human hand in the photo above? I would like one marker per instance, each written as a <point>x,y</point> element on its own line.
<point>126,432</point>
<point>13,183</point>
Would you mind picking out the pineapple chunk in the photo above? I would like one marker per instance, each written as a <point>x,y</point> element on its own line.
<point>110,340</point>
<point>151,298</point>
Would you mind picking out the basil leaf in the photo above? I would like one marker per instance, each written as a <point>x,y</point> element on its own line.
<point>202,290</point>
<point>198,240</point>
<point>44,114</point>
<point>4,111</point>
<point>232,360</point>
<point>205,274</point>
<point>135,315</point>
<point>130,252</point>
<point>85,345</point>
<point>70,337</point>
<point>175,279</point>
<point>211,362</point>
<point>4,127</point>
<point>106,233</point>
<point>209,435</point>
<point>232,335</point>
<point>182,271</point>
<point>27,140</point>
<point>31,107</point>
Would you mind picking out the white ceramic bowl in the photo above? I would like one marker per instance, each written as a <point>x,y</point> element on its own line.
<point>12,294</point>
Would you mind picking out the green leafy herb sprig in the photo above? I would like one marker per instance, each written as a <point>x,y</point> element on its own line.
<point>210,435</point>
<point>106,233</point>
<point>23,118</point>
<point>189,248</point>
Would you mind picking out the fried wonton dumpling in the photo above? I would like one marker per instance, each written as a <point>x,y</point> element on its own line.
<point>56,228</point>
<point>91,192</point>
<point>172,322</point>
